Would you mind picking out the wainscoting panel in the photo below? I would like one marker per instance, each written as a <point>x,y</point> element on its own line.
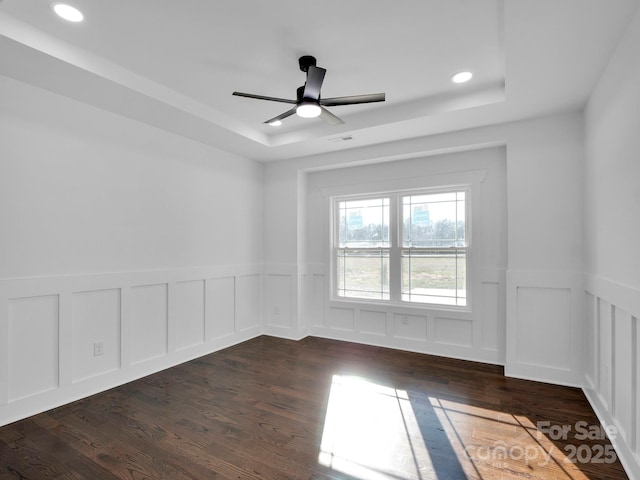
<point>491,307</point>
<point>278,299</point>
<point>341,319</point>
<point>189,321</point>
<point>248,302</point>
<point>473,335</point>
<point>543,329</point>
<point>453,331</point>
<point>64,338</point>
<point>545,333</point>
<point>372,322</point>
<point>635,400</point>
<point>410,327</point>
<point>317,302</point>
<point>611,381</point>
<point>623,369</point>
<point>220,307</point>
<point>604,335</point>
<point>96,333</point>
<point>149,322</point>
<point>291,301</point>
<point>33,359</point>
<point>591,344</point>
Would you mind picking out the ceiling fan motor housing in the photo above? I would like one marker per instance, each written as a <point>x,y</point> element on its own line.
<point>306,61</point>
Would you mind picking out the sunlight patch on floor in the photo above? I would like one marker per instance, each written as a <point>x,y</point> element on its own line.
<point>492,441</point>
<point>376,432</point>
<point>371,432</point>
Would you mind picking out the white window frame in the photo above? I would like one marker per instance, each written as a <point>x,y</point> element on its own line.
<point>396,247</point>
<point>335,243</point>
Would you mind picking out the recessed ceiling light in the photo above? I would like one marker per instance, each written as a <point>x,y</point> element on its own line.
<point>275,123</point>
<point>66,11</point>
<point>461,77</point>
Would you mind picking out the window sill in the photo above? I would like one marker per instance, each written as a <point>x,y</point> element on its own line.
<point>406,308</point>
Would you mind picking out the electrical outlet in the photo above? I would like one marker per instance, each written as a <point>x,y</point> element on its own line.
<point>276,310</point>
<point>98,349</point>
<point>405,320</point>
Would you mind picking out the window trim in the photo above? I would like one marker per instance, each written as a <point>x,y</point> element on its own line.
<point>335,244</point>
<point>466,248</point>
<point>395,250</point>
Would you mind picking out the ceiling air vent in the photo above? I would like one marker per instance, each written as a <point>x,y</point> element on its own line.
<point>341,139</point>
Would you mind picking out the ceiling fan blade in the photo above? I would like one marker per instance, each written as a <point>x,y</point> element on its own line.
<point>262,97</point>
<point>315,77</point>
<point>329,117</point>
<point>284,115</point>
<point>352,100</point>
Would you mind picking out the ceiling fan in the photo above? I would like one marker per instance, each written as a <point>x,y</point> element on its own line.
<point>308,103</point>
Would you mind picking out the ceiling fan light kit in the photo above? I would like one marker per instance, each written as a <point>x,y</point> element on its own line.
<point>308,103</point>
<point>308,110</point>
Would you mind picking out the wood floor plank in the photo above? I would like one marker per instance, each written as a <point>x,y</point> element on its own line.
<point>315,409</point>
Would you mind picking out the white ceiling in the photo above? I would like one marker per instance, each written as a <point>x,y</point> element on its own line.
<point>175,64</point>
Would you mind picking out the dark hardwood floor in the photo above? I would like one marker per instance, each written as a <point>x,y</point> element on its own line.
<point>316,409</point>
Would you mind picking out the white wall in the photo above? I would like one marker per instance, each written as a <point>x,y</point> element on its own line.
<point>115,232</point>
<point>476,334</point>
<point>544,279</point>
<point>85,191</point>
<point>540,303</point>
<point>283,205</point>
<point>612,230</point>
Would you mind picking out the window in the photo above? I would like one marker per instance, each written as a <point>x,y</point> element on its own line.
<point>402,247</point>
<point>363,251</point>
<point>434,252</point>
